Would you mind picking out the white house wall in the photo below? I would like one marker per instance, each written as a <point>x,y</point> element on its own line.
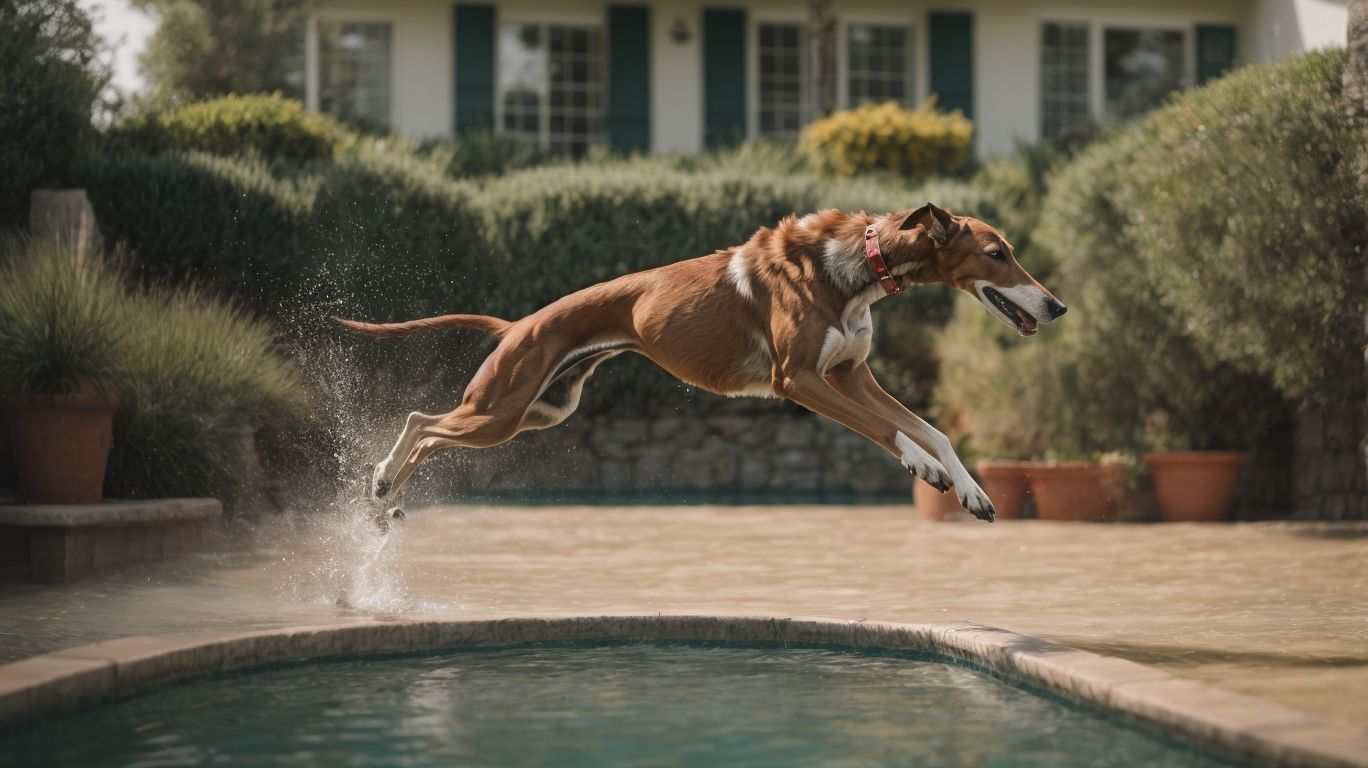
<point>1006,50</point>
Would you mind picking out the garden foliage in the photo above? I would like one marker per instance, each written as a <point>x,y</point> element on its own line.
<point>887,137</point>
<point>51,75</point>
<point>195,377</point>
<point>271,125</point>
<point>384,234</point>
<point>1212,259</point>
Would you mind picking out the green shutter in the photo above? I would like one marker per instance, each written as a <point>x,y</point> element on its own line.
<point>952,61</point>
<point>474,61</point>
<point>629,77</point>
<point>1215,51</point>
<point>724,76</point>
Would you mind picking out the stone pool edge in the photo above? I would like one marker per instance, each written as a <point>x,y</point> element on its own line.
<point>1229,723</point>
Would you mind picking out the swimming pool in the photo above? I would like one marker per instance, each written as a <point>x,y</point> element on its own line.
<point>590,704</point>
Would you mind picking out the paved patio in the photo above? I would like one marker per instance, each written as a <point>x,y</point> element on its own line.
<point>1278,610</point>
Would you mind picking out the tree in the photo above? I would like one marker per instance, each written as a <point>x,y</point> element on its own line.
<point>208,48</point>
<point>51,75</point>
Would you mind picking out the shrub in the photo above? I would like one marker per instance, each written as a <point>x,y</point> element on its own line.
<point>1246,208</point>
<point>886,137</point>
<point>270,125</point>
<point>58,317</point>
<point>202,377</point>
<point>50,79</point>
<point>1135,366</point>
<point>484,154</point>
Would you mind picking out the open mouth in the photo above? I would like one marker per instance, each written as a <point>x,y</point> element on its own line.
<point>1025,324</point>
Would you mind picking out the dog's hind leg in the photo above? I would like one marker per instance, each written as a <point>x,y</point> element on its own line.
<point>383,476</point>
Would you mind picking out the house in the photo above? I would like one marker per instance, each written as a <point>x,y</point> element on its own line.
<point>681,75</point>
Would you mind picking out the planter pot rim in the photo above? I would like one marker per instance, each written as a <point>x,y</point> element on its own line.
<point>86,397</point>
<point>1196,457</point>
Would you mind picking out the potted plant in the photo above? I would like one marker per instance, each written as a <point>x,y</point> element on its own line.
<point>1077,489</point>
<point>59,339</point>
<point>931,504</point>
<point>1194,468</point>
<point>1004,480</point>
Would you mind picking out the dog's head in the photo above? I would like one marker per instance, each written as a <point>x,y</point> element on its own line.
<point>974,257</point>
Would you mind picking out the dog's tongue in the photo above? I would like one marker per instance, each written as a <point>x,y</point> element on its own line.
<point>1028,323</point>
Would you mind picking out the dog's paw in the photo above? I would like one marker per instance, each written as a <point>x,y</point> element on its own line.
<point>380,484</point>
<point>922,464</point>
<point>978,503</point>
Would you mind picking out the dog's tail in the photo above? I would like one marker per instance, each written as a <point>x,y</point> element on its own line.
<point>492,325</point>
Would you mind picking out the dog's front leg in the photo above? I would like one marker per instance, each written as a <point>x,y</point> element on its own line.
<point>386,472</point>
<point>859,384</point>
<point>814,393</point>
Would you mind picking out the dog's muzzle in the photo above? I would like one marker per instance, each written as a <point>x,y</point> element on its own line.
<point>1023,307</point>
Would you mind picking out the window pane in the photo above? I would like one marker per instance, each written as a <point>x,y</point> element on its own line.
<point>577,89</point>
<point>783,80</point>
<point>877,64</point>
<point>522,78</point>
<point>1142,67</point>
<point>1063,79</point>
<point>354,70</point>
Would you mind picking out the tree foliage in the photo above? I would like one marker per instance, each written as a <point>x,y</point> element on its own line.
<point>208,48</point>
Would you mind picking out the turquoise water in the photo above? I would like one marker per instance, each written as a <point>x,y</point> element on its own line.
<point>616,705</point>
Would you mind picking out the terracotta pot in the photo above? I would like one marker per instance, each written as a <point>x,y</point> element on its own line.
<point>1005,484</point>
<point>931,504</point>
<point>1076,491</point>
<point>61,445</point>
<point>1195,485</point>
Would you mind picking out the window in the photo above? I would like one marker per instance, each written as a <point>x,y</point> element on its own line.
<point>354,70</point>
<point>551,85</point>
<point>1142,67</point>
<point>1063,79</point>
<point>783,80</point>
<point>879,64</point>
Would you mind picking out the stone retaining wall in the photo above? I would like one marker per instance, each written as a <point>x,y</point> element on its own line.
<point>1330,465</point>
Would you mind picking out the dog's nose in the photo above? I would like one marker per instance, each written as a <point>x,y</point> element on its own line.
<point>1056,308</point>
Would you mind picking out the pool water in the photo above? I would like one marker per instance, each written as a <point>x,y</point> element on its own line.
<point>653,704</point>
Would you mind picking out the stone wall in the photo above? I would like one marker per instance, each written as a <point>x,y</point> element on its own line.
<point>722,457</point>
<point>1330,464</point>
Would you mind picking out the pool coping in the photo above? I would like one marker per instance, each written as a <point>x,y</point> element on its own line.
<point>1229,723</point>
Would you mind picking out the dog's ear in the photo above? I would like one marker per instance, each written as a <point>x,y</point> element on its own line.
<point>940,225</point>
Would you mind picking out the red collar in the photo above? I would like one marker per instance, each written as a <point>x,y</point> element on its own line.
<point>876,262</point>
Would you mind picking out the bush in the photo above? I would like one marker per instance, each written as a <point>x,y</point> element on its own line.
<point>195,377</point>
<point>1146,256</point>
<point>270,125</point>
<point>885,137</point>
<point>385,235</point>
<point>50,79</point>
<point>59,317</point>
<point>484,154</point>
<point>202,378</point>
<point>1246,209</point>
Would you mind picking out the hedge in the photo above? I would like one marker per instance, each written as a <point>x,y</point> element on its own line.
<point>266,123</point>
<point>1212,259</point>
<point>386,234</point>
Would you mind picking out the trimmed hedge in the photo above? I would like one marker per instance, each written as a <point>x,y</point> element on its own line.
<point>269,124</point>
<point>886,137</point>
<point>387,235</point>
<point>1212,260</point>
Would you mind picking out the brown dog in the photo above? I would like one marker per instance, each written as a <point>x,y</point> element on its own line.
<point>784,315</point>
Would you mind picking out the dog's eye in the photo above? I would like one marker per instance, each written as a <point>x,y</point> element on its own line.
<point>996,254</point>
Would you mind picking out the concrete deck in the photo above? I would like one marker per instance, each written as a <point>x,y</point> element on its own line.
<point>1273,610</point>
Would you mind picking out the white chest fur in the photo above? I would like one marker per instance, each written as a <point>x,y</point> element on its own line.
<point>851,341</point>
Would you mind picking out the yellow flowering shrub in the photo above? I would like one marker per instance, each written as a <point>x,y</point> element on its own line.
<point>887,137</point>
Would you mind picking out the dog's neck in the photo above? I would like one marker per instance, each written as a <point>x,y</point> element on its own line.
<point>910,257</point>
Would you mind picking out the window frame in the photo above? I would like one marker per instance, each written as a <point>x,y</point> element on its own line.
<point>912,63</point>
<point>313,70</point>
<point>544,23</point>
<point>805,45</point>
<point>1186,78</point>
<point>1088,63</point>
